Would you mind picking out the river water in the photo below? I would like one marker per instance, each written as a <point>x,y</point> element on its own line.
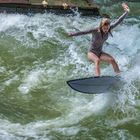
<point>36,60</point>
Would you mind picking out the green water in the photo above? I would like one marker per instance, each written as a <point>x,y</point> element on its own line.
<point>36,60</point>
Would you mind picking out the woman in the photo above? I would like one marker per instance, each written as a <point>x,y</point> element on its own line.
<point>99,36</point>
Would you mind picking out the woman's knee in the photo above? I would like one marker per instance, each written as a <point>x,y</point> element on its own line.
<point>112,60</point>
<point>97,61</point>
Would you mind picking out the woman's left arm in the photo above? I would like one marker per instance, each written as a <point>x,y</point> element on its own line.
<point>121,18</point>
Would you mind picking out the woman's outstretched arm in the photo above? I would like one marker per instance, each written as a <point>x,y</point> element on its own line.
<point>121,18</point>
<point>81,32</point>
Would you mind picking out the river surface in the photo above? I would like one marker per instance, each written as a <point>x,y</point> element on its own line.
<point>36,60</point>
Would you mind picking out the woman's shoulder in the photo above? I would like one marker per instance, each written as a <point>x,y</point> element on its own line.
<point>95,30</point>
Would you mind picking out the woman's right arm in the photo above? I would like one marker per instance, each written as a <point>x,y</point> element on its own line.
<point>81,32</point>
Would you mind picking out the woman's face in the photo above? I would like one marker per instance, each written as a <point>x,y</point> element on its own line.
<point>105,28</point>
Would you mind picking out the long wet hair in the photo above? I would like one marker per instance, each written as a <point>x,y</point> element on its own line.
<point>105,21</point>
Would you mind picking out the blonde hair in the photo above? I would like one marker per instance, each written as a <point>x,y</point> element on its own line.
<point>105,21</point>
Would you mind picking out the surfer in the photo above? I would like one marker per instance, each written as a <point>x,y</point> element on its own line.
<point>99,36</point>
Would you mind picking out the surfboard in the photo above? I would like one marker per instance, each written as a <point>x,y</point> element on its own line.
<point>94,85</point>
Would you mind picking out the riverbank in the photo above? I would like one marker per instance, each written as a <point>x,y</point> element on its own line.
<point>85,8</point>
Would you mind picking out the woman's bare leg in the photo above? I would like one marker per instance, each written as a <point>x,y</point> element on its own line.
<point>108,58</point>
<point>94,58</point>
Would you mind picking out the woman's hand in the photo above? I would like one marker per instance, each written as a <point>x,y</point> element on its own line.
<point>69,34</point>
<point>125,7</point>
